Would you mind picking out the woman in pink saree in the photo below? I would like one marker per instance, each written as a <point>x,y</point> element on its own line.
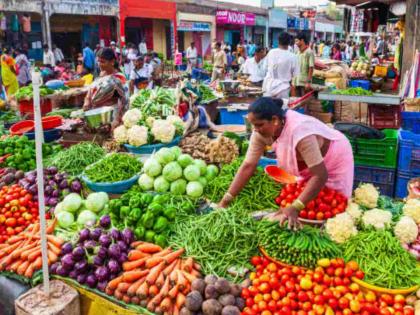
<point>304,146</point>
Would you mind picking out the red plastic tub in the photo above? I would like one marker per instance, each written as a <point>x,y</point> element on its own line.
<point>26,107</point>
<point>21,127</point>
<point>51,122</point>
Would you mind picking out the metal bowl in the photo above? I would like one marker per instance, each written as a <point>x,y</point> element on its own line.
<point>230,85</point>
<point>99,116</point>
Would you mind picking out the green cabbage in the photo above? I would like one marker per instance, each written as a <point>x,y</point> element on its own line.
<point>72,202</point>
<point>146,182</point>
<point>202,166</point>
<point>176,151</point>
<point>211,172</point>
<point>164,156</point>
<point>192,172</point>
<point>184,160</point>
<point>172,171</point>
<point>152,167</point>
<point>179,187</point>
<point>203,181</point>
<point>86,218</point>
<point>95,202</point>
<point>65,219</point>
<point>161,185</point>
<point>195,189</point>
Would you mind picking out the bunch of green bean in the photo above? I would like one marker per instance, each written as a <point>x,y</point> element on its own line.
<point>113,168</point>
<point>218,240</point>
<point>382,258</point>
<point>258,194</point>
<point>299,248</point>
<point>75,159</point>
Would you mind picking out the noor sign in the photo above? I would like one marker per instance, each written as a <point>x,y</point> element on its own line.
<point>233,17</point>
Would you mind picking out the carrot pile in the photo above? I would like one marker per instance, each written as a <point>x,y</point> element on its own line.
<point>155,278</point>
<point>21,253</point>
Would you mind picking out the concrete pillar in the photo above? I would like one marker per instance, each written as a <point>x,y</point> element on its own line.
<point>267,30</point>
<point>412,34</point>
<point>46,28</point>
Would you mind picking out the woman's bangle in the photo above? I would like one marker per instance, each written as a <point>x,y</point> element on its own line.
<point>298,205</point>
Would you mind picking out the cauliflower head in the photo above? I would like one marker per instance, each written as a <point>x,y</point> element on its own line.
<point>366,195</point>
<point>163,131</point>
<point>378,218</point>
<point>412,209</point>
<point>177,122</point>
<point>354,211</point>
<point>340,228</point>
<point>150,121</point>
<point>132,117</point>
<point>406,230</point>
<point>137,135</point>
<point>121,134</point>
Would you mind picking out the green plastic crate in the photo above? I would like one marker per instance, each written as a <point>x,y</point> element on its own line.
<point>377,152</point>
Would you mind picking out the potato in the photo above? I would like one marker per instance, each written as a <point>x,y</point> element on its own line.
<point>222,286</point>
<point>210,279</point>
<point>210,292</point>
<point>211,307</point>
<point>231,310</point>
<point>193,301</point>
<point>226,299</point>
<point>198,285</point>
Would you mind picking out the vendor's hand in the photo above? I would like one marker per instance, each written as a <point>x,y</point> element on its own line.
<point>223,204</point>
<point>308,87</point>
<point>288,214</point>
<point>114,125</point>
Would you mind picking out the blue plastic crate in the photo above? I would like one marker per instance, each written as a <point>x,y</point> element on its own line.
<point>232,117</point>
<point>411,121</point>
<point>150,148</point>
<point>264,161</point>
<point>383,178</point>
<point>111,188</point>
<point>50,135</point>
<point>409,152</point>
<point>401,183</point>
<point>364,84</point>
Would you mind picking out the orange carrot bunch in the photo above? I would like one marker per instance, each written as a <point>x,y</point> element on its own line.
<point>155,278</point>
<point>22,253</point>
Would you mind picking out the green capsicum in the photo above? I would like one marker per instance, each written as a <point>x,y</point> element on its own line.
<point>124,211</point>
<point>160,240</point>
<point>147,220</point>
<point>139,232</point>
<point>155,208</point>
<point>149,236</point>
<point>170,212</point>
<point>146,199</point>
<point>162,199</point>
<point>135,214</point>
<point>161,224</point>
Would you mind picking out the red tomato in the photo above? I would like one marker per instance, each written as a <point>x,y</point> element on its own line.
<point>333,303</point>
<point>311,215</point>
<point>319,299</point>
<point>359,274</point>
<point>272,305</point>
<point>11,222</point>
<point>303,296</point>
<point>256,260</point>
<point>310,205</point>
<point>408,310</point>
<point>274,283</point>
<point>320,216</point>
<point>278,200</point>
<point>327,215</point>
<point>303,214</point>
<point>343,303</point>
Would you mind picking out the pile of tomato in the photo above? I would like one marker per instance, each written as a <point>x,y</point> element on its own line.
<point>17,211</point>
<point>327,204</point>
<point>329,290</point>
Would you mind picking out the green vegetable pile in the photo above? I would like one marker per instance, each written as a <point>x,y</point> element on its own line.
<point>258,194</point>
<point>23,152</point>
<point>76,158</point>
<point>298,248</point>
<point>64,112</point>
<point>149,215</point>
<point>208,67</point>
<point>207,94</point>
<point>385,262</point>
<point>113,168</point>
<point>26,92</point>
<point>218,241</point>
<point>158,102</point>
<point>9,116</point>
<point>353,91</point>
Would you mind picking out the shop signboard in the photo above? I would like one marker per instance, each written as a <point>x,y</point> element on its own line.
<point>260,20</point>
<point>292,22</point>
<point>277,18</point>
<point>301,23</point>
<point>187,26</point>
<point>233,17</point>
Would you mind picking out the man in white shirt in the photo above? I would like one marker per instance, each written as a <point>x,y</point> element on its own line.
<point>143,47</point>
<point>140,75</point>
<point>191,56</point>
<point>48,58</point>
<point>255,67</point>
<point>282,66</point>
<point>58,54</point>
